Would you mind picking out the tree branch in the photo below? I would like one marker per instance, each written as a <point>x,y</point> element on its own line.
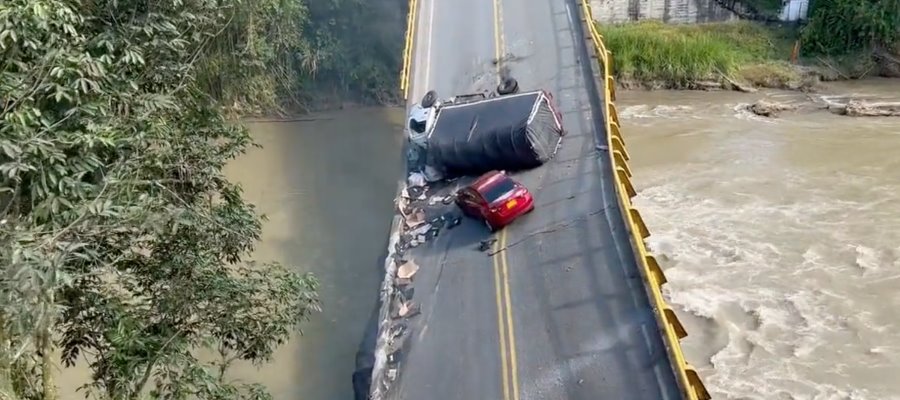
<point>148,371</point>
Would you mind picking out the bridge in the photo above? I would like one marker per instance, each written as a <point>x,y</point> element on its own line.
<point>566,304</point>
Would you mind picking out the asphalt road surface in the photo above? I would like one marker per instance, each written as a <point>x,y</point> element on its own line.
<point>559,310</point>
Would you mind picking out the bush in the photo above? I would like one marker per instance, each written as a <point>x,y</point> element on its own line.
<point>682,54</point>
<point>839,27</point>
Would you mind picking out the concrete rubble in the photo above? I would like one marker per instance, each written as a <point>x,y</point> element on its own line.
<point>412,227</point>
<point>765,108</point>
<point>855,108</point>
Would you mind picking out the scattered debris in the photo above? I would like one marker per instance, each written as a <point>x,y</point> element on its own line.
<point>415,218</point>
<point>407,270</point>
<point>398,330</point>
<point>394,357</point>
<point>416,179</point>
<point>485,245</point>
<point>416,192</point>
<point>420,230</point>
<point>454,222</point>
<point>408,309</point>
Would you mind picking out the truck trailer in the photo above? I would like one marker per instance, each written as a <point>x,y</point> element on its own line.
<point>482,133</point>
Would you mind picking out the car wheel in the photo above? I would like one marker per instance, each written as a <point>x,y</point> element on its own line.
<point>508,86</point>
<point>429,99</point>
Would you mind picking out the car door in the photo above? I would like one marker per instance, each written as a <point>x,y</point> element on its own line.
<point>469,200</point>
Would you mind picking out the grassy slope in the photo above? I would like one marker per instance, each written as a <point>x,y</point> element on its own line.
<point>678,56</point>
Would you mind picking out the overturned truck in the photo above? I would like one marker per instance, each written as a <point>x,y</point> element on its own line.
<point>509,132</point>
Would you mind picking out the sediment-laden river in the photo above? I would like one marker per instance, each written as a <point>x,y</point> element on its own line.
<point>780,239</point>
<point>327,187</point>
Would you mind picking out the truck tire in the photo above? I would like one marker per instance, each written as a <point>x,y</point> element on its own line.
<point>429,99</point>
<point>508,86</point>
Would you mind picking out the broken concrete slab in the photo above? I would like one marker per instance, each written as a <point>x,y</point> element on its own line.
<point>408,309</point>
<point>407,270</point>
<point>415,218</point>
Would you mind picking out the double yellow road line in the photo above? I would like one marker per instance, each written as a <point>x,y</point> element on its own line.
<point>505,324</point>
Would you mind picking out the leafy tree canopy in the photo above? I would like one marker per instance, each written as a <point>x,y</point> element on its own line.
<point>843,26</point>
<point>123,244</point>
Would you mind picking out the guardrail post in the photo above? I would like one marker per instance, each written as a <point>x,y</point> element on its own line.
<point>672,319</point>
<point>616,138</point>
<point>623,176</point>
<point>620,159</point>
<point>642,228</point>
<point>656,270</point>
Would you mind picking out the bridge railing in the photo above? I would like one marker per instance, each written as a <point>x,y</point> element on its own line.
<point>671,329</point>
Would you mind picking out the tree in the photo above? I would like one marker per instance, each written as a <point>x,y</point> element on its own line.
<point>838,27</point>
<point>122,241</point>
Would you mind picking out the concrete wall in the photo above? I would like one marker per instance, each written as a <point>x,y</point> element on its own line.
<point>795,10</point>
<point>669,11</point>
<point>685,11</point>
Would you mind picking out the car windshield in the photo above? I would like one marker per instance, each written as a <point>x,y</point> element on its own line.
<point>498,190</point>
<point>416,126</point>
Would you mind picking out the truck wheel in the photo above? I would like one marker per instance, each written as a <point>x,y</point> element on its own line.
<point>429,99</point>
<point>508,86</point>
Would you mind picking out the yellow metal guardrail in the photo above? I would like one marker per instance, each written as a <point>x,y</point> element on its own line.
<point>408,48</point>
<point>672,330</point>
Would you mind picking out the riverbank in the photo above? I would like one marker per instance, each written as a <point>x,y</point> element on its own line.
<point>732,56</point>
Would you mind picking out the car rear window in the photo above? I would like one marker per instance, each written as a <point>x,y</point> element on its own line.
<point>498,190</point>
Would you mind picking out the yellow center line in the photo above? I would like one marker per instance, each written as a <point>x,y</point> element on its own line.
<point>514,373</point>
<point>508,367</point>
<point>500,325</point>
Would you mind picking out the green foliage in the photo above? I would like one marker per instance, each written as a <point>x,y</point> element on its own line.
<point>274,53</point>
<point>838,27</point>
<point>679,55</point>
<point>122,241</point>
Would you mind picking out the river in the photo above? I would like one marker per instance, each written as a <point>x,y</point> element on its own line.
<point>780,239</point>
<point>327,187</point>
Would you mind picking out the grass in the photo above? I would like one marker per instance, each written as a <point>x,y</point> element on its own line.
<point>677,56</point>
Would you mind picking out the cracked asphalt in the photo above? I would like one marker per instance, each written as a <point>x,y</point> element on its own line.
<point>558,311</point>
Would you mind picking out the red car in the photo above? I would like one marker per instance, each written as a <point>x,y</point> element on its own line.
<point>496,199</point>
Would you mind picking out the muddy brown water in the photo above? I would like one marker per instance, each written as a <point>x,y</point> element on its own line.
<point>328,188</point>
<point>780,238</point>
